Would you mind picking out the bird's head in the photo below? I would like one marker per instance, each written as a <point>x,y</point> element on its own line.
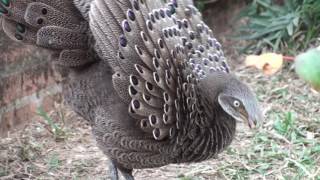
<point>233,96</point>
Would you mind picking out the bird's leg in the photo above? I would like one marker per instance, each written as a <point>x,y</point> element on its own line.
<point>126,173</point>
<point>113,170</point>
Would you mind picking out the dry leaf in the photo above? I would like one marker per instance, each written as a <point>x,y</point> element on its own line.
<point>270,63</point>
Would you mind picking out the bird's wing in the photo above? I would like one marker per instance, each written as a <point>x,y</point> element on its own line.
<point>157,49</point>
<point>56,25</point>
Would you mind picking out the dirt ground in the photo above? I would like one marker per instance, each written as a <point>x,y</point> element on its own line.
<point>285,146</point>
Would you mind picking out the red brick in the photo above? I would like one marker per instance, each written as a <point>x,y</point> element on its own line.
<point>25,71</point>
<point>26,83</point>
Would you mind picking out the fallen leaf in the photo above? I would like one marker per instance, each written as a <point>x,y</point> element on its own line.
<point>269,63</point>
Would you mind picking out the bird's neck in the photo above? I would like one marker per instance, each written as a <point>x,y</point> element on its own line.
<point>209,130</point>
<point>205,138</point>
<point>215,83</point>
<point>212,129</point>
<point>224,123</point>
<point>217,119</point>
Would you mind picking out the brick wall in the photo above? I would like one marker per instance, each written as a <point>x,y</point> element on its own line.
<point>27,81</point>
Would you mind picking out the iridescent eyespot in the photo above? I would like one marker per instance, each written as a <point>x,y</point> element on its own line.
<point>21,28</point>
<point>18,37</point>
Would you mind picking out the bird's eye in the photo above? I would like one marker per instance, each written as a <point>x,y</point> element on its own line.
<point>236,103</point>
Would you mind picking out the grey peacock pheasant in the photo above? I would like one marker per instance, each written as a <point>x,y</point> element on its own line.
<point>148,75</point>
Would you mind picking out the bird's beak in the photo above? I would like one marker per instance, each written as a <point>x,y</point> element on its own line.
<point>254,120</point>
<point>250,120</point>
<point>252,123</point>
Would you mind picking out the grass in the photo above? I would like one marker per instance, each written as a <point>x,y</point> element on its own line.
<point>289,28</point>
<point>59,133</point>
<point>53,162</point>
<point>285,146</point>
<point>36,152</point>
<point>288,146</point>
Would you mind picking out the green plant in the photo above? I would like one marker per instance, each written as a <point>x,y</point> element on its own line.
<point>285,126</point>
<point>3,172</point>
<point>200,5</point>
<point>288,28</point>
<point>58,132</point>
<point>185,178</point>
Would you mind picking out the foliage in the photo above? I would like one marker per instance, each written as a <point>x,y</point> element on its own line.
<point>201,4</point>
<point>288,28</point>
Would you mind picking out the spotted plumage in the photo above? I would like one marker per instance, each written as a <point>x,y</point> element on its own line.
<point>148,75</point>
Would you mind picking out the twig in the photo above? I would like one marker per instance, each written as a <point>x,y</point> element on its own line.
<point>288,58</point>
